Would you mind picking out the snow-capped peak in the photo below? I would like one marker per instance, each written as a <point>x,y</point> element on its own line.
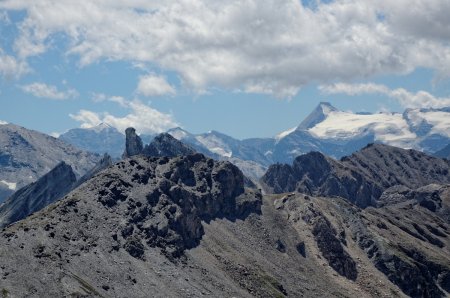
<point>178,133</point>
<point>102,126</point>
<point>319,114</point>
<point>3,122</point>
<point>327,108</point>
<point>389,128</point>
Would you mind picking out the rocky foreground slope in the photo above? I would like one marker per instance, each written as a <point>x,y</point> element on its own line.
<point>361,177</point>
<point>187,227</point>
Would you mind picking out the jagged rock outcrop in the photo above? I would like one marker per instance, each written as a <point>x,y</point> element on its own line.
<point>162,145</point>
<point>166,145</point>
<point>361,177</point>
<point>31,198</point>
<point>27,155</point>
<point>179,194</point>
<point>133,143</point>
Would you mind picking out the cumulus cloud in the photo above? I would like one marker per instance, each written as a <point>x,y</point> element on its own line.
<point>48,91</point>
<point>151,85</point>
<point>260,46</point>
<point>420,99</point>
<point>10,67</point>
<point>99,97</point>
<point>141,116</point>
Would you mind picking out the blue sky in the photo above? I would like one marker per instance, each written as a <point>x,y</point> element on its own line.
<point>245,68</point>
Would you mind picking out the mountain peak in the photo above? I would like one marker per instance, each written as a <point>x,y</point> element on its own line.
<point>317,115</point>
<point>102,126</point>
<point>326,107</point>
<point>178,133</point>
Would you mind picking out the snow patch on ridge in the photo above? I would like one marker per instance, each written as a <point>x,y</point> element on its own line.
<point>3,122</point>
<point>10,185</point>
<point>102,126</point>
<point>178,133</point>
<point>215,145</point>
<point>285,133</point>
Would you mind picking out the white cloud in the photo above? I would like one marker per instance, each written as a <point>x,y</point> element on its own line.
<point>260,46</point>
<point>48,91</point>
<point>420,99</point>
<point>88,119</point>
<point>99,97</point>
<point>10,67</point>
<point>142,117</point>
<point>152,85</point>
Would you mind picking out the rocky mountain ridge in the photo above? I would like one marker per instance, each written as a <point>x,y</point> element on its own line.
<point>162,145</point>
<point>361,177</point>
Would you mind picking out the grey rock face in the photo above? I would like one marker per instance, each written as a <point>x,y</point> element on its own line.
<point>183,192</point>
<point>26,155</point>
<point>133,143</point>
<point>434,197</point>
<point>361,177</point>
<point>329,245</point>
<point>166,145</point>
<point>37,195</point>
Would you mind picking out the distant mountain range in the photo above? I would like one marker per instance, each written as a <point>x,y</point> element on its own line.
<point>328,130</point>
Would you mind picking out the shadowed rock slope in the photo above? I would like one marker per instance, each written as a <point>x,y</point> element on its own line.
<point>49,188</point>
<point>27,155</point>
<point>31,198</point>
<point>361,177</point>
<point>187,227</point>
